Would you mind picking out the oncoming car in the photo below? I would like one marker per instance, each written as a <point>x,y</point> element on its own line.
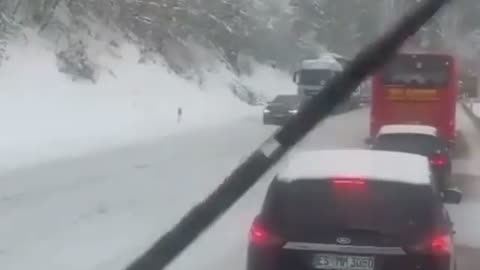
<point>280,109</point>
<point>418,139</point>
<point>321,212</point>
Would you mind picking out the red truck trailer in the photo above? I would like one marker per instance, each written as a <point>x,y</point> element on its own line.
<point>416,88</point>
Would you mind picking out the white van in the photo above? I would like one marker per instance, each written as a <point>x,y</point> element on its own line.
<point>313,74</point>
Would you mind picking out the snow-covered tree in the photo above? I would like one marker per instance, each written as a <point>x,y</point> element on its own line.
<point>280,31</point>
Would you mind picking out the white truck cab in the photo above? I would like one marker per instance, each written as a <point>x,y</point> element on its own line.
<point>313,74</point>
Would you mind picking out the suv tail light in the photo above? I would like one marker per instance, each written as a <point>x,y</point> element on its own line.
<point>260,236</point>
<point>438,160</point>
<point>438,245</point>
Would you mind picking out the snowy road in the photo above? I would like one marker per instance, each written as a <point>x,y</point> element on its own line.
<point>99,212</point>
<point>79,213</point>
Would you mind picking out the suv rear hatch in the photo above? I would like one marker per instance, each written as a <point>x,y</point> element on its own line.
<point>377,219</point>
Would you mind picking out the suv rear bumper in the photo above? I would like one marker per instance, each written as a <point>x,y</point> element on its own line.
<point>262,258</point>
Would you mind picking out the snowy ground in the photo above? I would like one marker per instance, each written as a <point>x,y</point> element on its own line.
<point>99,211</point>
<point>44,116</point>
<point>83,166</point>
<point>108,207</point>
<point>476,108</point>
<point>474,105</point>
<point>78,214</point>
<point>92,175</point>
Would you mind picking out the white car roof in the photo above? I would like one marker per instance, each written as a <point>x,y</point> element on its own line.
<point>412,129</point>
<point>325,62</point>
<point>366,164</point>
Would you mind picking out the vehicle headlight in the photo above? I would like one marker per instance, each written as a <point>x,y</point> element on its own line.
<point>293,111</point>
<point>266,110</point>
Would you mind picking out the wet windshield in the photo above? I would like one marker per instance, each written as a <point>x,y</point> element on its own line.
<point>119,116</point>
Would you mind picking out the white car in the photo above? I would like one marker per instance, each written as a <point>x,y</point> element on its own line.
<point>418,139</point>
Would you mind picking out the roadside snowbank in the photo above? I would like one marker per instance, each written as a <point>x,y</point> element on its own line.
<point>43,115</point>
<point>269,82</point>
<point>476,109</point>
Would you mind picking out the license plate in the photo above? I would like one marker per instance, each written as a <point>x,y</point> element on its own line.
<point>343,262</point>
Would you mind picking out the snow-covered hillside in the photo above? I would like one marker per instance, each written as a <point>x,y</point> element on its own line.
<point>44,114</point>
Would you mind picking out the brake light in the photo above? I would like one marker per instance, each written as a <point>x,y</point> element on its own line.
<point>349,181</point>
<point>259,235</point>
<point>441,245</point>
<point>438,160</point>
<point>438,245</point>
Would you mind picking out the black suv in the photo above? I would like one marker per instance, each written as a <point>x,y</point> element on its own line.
<point>430,146</point>
<point>349,223</point>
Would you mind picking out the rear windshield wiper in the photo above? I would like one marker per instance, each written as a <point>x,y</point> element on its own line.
<point>337,90</point>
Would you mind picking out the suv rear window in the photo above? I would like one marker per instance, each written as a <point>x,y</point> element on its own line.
<point>300,209</point>
<point>411,143</point>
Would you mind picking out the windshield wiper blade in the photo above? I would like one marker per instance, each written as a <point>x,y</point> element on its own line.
<point>199,218</point>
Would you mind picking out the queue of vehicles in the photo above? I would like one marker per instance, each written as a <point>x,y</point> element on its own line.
<point>369,209</point>
<point>413,108</point>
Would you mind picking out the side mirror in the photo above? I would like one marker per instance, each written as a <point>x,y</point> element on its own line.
<point>452,196</point>
<point>295,75</point>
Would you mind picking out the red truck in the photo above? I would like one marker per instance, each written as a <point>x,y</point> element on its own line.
<point>416,88</point>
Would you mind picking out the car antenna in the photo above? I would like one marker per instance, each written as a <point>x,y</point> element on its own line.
<point>200,217</point>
